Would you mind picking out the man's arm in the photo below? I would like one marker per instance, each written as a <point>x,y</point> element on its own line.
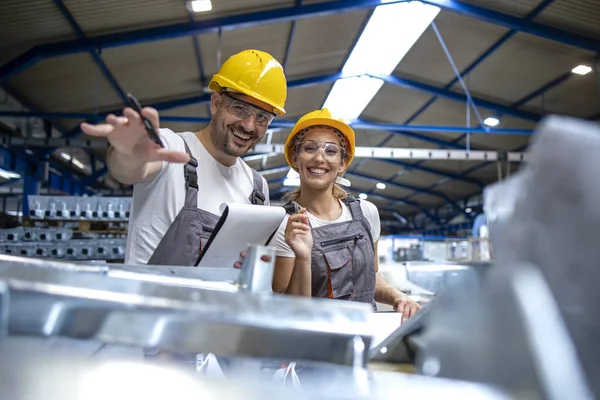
<point>133,157</point>
<point>129,170</point>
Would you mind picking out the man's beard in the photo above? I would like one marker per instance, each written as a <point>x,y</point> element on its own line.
<point>224,140</point>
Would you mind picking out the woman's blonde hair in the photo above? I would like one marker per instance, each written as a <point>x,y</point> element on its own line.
<point>338,191</point>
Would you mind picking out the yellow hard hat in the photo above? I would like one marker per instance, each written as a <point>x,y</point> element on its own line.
<point>256,74</point>
<point>321,117</point>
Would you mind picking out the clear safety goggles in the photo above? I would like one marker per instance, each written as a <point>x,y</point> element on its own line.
<point>242,110</point>
<point>331,151</point>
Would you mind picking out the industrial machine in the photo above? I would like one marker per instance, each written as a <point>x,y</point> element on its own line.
<point>522,326</point>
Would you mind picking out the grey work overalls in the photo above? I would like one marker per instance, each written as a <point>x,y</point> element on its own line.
<point>186,237</point>
<point>343,257</point>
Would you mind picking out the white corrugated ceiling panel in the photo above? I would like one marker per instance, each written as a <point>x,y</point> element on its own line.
<point>518,8</point>
<point>321,44</point>
<point>270,38</point>
<point>579,16</point>
<point>156,70</point>
<point>70,83</point>
<point>24,24</point>
<point>303,100</point>
<point>110,16</point>
<point>465,38</point>
<point>521,66</point>
<point>394,104</point>
<point>577,96</point>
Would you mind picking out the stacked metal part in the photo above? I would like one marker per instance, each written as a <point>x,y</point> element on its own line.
<point>79,208</point>
<point>58,243</point>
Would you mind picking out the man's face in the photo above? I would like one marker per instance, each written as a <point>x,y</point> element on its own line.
<point>240,122</point>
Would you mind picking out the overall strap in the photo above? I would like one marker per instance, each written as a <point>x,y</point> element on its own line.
<point>354,204</point>
<point>291,207</point>
<point>257,197</point>
<point>190,172</point>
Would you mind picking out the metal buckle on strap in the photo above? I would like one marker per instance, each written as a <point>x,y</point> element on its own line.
<point>190,173</point>
<point>257,198</point>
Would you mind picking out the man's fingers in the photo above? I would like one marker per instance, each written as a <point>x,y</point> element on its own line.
<point>243,253</point>
<point>400,307</point>
<point>97,130</point>
<point>132,115</point>
<point>237,265</point>
<point>170,156</point>
<point>152,116</point>
<point>117,121</point>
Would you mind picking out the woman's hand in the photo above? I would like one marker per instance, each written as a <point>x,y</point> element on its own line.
<point>403,304</point>
<point>298,235</point>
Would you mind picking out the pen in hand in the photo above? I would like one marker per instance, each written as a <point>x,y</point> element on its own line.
<point>135,104</point>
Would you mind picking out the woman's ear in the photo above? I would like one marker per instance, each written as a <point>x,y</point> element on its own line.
<point>342,167</point>
<point>295,160</point>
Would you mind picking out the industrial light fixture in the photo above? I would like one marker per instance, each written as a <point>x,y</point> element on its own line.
<point>582,69</point>
<point>380,185</point>
<point>468,210</point>
<point>491,121</point>
<point>77,163</point>
<point>363,196</point>
<point>200,5</point>
<point>391,32</point>
<point>8,174</point>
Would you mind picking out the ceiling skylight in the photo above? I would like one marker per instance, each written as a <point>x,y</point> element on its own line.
<point>391,32</point>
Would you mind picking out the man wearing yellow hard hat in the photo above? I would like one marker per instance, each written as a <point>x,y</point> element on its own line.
<point>327,245</point>
<point>179,187</point>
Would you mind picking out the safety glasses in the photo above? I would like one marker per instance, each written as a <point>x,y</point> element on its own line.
<point>242,110</point>
<point>331,151</point>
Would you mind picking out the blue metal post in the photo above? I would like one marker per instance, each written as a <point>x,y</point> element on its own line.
<point>31,186</point>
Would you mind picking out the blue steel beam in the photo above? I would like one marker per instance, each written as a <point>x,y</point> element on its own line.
<point>197,52</point>
<point>485,164</point>
<point>459,97</point>
<point>290,40</point>
<point>279,15</point>
<point>405,186</point>
<point>81,35</point>
<point>278,193</point>
<point>518,24</point>
<point>287,124</point>
<point>180,30</point>
<point>534,13</point>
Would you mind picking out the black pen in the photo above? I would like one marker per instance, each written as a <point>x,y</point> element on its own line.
<point>135,104</point>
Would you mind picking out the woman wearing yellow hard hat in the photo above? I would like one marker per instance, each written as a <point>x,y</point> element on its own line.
<point>327,245</point>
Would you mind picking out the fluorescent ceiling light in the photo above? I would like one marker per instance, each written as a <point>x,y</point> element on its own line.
<point>292,179</point>
<point>350,96</point>
<point>8,174</point>
<point>582,70</point>
<point>380,185</point>
<point>200,5</point>
<point>391,32</point>
<point>65,156</point>
<point>363,196</point>
<point>77,163</point>
<point>491,121</point>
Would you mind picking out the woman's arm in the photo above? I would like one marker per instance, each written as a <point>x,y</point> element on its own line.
<point>387,294</point>
<point>292,275</point>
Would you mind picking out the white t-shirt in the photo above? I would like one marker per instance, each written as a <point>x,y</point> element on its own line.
<point>369,210</point>
<point>155,204</point>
